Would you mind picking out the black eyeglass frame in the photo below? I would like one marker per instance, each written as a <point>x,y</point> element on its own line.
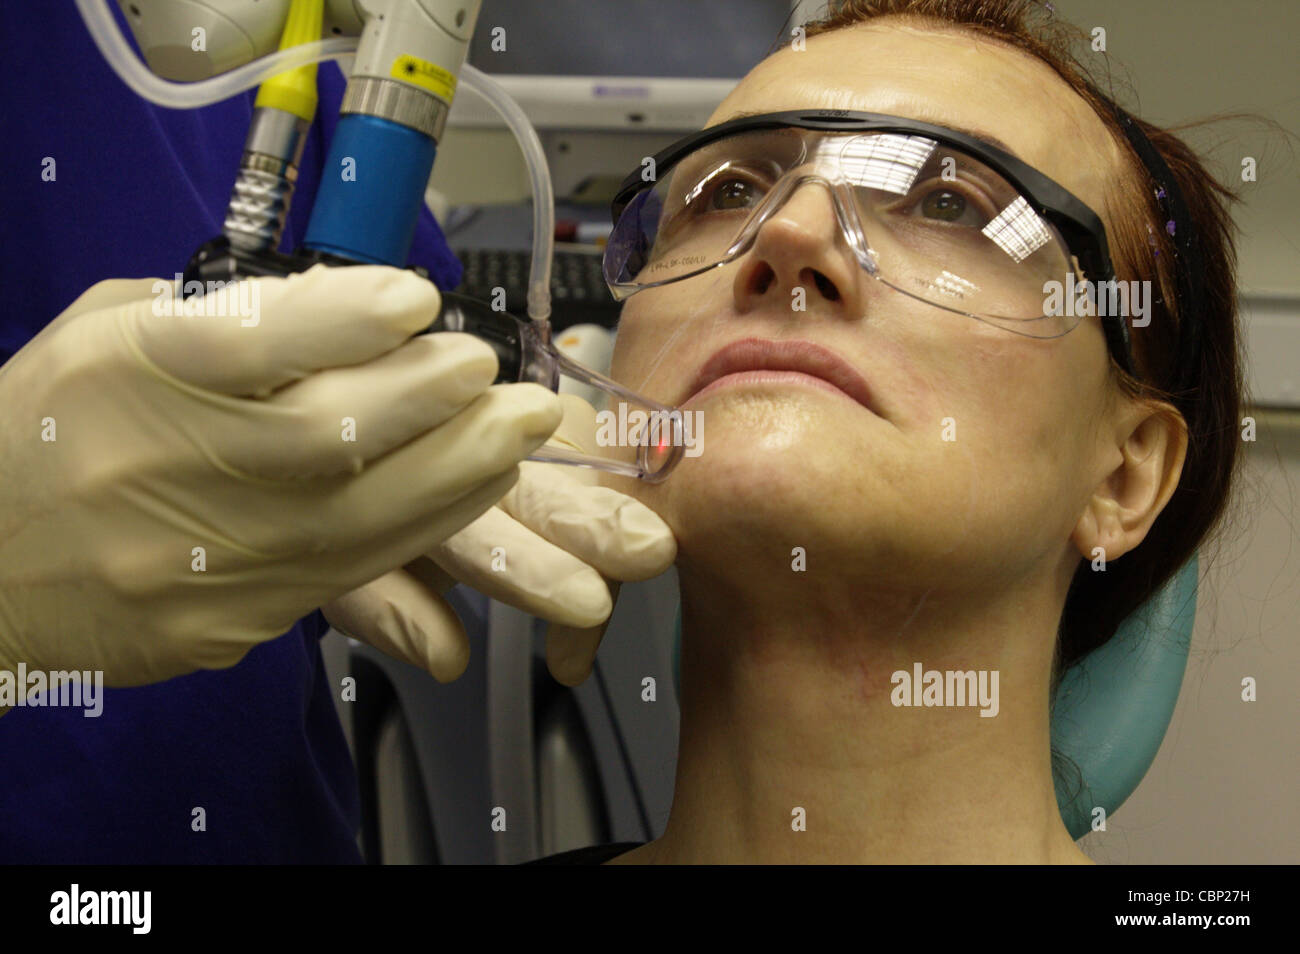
<point>1078,225</point>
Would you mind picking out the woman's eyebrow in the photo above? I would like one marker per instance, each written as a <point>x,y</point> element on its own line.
<point>985,137</point>
<point>980,134</point>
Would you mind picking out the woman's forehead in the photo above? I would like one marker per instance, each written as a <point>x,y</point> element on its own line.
<point>948,78</point>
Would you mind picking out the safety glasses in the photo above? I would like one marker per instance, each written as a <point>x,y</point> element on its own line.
<point>933,213</point>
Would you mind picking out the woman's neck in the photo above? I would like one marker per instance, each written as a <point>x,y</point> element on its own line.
<point>808,737</point>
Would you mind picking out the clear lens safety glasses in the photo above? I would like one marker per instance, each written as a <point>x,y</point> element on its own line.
<point>938,219</point>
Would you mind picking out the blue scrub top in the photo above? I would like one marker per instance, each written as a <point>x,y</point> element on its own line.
<point>259,746</point>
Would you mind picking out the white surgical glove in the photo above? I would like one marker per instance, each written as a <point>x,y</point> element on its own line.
<point>555,546</point>
<point>177,489</point>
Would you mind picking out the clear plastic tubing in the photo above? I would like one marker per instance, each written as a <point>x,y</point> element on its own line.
<point>539,174</point>
<point>112,44</point>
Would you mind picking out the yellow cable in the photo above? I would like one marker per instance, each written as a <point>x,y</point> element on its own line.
<point>295,91</point>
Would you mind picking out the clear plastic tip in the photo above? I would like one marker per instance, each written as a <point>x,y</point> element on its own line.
<point>645,438</point>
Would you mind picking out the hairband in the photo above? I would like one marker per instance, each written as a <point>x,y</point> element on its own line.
<point>1188,267</point>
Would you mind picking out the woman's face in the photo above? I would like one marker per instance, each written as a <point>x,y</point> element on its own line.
<point>983,446</point>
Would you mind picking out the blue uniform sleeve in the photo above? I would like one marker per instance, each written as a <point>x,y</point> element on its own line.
<point>99,184</point>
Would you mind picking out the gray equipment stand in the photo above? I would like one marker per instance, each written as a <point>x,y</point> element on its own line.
<point>505,765</point>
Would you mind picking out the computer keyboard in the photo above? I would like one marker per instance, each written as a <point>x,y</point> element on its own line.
<point>578,291</point>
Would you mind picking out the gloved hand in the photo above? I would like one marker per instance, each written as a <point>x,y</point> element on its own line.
<point>555,546</point>
<point>176,489</point>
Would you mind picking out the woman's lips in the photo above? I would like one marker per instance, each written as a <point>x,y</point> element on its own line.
<point>757,361</point>
<point>767,377</point>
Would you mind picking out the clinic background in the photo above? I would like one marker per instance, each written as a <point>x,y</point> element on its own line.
<point>599,767</point>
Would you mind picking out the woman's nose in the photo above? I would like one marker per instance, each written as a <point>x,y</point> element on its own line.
<point>800,257</point>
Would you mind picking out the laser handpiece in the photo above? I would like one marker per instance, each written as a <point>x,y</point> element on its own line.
<point>525,354</point>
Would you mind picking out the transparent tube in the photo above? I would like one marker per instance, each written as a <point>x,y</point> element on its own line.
<point>539,174</point>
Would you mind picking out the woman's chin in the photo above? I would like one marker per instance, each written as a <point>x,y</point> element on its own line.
<point>777,486</point>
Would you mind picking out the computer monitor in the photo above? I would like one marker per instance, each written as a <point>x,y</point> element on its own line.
<point>627,65</point>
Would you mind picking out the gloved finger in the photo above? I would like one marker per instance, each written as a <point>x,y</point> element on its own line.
<point>321,551</point>
<point>411,498</point>
<point>113,292</point>
<point>616,534</point>
<point>326,572</point>
<point>433,577</point>
<point>334,421</point>
<point>503,559</point>
<point>399,616</point>
<point>577,430</point>
<point>571,650</point>
<point>412,493</point>
<point>106,294</point>
<point>321,318</point>
<point>612,532</point>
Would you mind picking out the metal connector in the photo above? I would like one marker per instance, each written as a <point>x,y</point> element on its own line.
<point>398,102</point>
<point>268,172</point>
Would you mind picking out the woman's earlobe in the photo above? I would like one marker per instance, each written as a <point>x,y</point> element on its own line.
<point>1099,534</point>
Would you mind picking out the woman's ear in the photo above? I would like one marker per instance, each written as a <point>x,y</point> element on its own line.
<point>1151,440</point>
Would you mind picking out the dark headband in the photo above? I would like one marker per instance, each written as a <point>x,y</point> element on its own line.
<point>1188,267</point>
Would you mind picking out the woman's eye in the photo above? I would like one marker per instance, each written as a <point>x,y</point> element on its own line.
<point>950,206</point>
<point>944,204</point>
<point>733,194</point>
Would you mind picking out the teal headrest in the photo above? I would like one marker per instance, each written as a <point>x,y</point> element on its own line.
<point>1112,708</point>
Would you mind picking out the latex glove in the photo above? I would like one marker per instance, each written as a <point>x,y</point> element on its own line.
<point>171,434</point>
<point>555,546</point>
